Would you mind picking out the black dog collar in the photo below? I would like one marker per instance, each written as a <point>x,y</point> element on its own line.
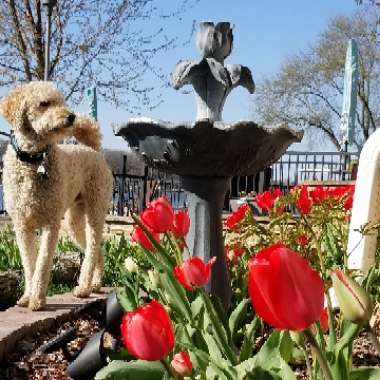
<point>22,155</point>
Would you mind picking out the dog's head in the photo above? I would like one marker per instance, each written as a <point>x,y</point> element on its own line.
<point>38,114</point>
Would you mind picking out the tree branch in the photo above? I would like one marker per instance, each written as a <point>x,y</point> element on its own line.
<point>20,40</point>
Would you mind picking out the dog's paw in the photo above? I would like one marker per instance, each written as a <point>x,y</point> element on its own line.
<point>23,301</point>
<point>96,287</point>
<point>36,303</point>
<point>81,292</point>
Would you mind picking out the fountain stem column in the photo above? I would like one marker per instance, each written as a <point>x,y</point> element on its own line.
<point>205,197</point>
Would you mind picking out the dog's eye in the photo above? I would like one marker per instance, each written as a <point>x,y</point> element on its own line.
<point>45,104</point>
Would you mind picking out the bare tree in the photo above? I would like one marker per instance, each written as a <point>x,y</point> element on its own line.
<point>92,41</point>
<point>307,91</point>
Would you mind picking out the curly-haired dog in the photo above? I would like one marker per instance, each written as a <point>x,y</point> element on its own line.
<point>45,181</point>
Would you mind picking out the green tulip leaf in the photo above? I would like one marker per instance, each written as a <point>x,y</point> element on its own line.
<point>196,306</point>
<point>176,294</point>
<point>122,370</point>
<point>333,249</point>
<point>365,374</point>
<point>213,348</point>
<point>286,346</point>
<point>268,361</point>
<point>238,316</point>
<point>247,345</point>
<point>221,313</point>
<point>127,299</point>
<point>219,367</point>
<point>261,374</point>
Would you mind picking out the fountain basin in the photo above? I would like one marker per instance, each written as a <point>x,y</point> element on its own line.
<point>207,148</point>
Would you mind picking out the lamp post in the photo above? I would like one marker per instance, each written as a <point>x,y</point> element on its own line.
<point>49,4</point>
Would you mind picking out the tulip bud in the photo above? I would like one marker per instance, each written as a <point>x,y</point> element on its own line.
<point>353,301</point>
<point>181,364</point>
<point>130,265</point>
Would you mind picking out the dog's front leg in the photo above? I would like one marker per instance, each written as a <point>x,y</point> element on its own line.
<point>26,241</point>
<point>41,277</point>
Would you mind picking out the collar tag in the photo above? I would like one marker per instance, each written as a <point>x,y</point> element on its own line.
<point>41,170</point>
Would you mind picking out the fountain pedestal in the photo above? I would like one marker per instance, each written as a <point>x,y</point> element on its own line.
<point>205,197</point>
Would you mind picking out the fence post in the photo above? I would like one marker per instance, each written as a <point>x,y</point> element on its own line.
<point>121,188</point>
<point>145,187</point>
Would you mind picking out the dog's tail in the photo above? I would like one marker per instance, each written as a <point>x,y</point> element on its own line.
<point>87,132</point>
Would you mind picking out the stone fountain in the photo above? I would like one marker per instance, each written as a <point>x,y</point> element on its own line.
<point>207,153</point>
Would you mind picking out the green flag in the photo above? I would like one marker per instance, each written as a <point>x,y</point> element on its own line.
<point>350,93</point>
<point>92,102</point>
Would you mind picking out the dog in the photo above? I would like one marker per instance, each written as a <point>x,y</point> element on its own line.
<point>45,181</point>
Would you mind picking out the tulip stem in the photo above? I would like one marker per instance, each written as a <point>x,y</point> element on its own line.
<point>168,369</point>
<point>174,247</point>
<point>319,248</point>
<point>318,353</point>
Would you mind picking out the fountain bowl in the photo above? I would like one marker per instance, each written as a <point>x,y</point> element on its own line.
<point>207,148</point>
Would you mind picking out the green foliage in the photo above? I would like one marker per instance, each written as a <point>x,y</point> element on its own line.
<point>133,370</point>
<point>9,253</point>
<point>115,250</point>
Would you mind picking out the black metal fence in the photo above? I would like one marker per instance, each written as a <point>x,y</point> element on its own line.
<point>294,168</point>
<point>132,192</point>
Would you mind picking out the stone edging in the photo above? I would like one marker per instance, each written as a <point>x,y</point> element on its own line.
<point>18,322</point>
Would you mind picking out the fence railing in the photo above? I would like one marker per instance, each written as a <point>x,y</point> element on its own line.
<point>132,192</point>
<point>292,169</point>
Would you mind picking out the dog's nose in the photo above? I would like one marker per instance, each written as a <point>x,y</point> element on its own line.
<point>71,118</point>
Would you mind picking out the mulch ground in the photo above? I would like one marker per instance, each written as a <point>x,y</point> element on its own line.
<point>28,362</point>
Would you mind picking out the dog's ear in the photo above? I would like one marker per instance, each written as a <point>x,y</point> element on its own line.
<point>13,107</point>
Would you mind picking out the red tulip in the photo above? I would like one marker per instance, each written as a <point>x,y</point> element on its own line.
<point>193,272</point>
<point>304,203</point>
<point>138,235</point>
<point>324,320</point>
<point>233,253</point>
<point>350,197</point>
<point>266,200</point>
<point>181,223</point>
<point>158,216</point>
<point>148,332</point>
<point>237,217</point>
<point>181,244</point>
<point>319,194</point>
<point>285,291</point>
<point>182,364</point>
<point>302,240</point>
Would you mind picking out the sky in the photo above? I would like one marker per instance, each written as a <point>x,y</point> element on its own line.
<point>265,33</point>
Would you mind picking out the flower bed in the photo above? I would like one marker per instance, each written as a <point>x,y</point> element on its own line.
<point>281,275</point>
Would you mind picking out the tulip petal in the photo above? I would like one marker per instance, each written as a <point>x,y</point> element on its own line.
<point>285,291</point>
<point>148,332</point>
